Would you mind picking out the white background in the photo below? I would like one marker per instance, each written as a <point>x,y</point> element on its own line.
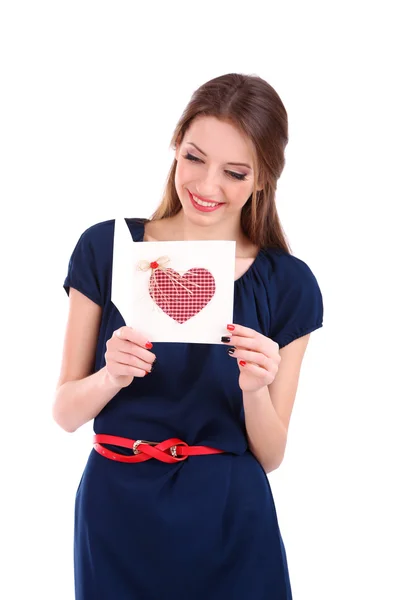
<point>90,95</point>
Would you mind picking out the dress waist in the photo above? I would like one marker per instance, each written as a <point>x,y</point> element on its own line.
<point>169,451</point>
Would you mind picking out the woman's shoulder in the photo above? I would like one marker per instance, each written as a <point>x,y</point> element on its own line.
<point>95,244</point>
<point>90,264</point>
<point>98,229</point>
<point>294,295</point>
<point>279,260</point>
<point>284,271</point>
<point>101,231</point>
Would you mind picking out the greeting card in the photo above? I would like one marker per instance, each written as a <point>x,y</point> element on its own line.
<point>175,291</point>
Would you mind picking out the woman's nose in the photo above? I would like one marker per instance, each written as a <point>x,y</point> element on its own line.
<point>208,185</point>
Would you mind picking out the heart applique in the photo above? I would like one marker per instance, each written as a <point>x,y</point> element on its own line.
<point>182,297</point>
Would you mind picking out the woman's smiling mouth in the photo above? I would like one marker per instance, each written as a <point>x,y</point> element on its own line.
<point>202,205</point>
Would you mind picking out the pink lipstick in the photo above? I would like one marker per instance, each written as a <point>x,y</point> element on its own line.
<point>203,208</point>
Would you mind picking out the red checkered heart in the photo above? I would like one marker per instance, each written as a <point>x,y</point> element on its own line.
<point>182,297</point>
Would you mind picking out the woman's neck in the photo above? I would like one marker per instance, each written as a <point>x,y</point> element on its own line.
<point>180,228</point>
<point>177,228</point>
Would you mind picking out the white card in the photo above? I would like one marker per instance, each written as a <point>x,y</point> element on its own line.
<point>188,297</point>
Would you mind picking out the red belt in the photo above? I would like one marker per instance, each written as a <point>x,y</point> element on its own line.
<point>169,451</point>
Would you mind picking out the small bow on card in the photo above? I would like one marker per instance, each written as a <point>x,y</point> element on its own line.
<point>145,265</point>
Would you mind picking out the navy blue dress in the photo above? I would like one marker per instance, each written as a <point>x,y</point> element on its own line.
<point>205,528</point>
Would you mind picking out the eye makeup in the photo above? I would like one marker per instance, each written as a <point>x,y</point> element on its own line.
<point>237,176</point>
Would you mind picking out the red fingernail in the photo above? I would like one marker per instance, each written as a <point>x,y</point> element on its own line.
<point>147,373</point>
<point>230,327</point>
<point>148,345</point>
<point>242,363</point>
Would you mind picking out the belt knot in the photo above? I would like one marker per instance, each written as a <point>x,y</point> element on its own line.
<point>169,451</point>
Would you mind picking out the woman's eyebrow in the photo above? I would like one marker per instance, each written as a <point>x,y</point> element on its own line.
<point>229,163</point>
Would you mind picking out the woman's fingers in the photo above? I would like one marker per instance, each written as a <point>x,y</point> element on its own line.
<point>255,344</point>
<point>139,351</point>
<point>128,355</point>
<point>126,358</point>
<point>122,370</point>
<point>249,339</point>
<point>132,342</point>
<point>261,375</point>
<point>256,358</point>
<point>133,335</point>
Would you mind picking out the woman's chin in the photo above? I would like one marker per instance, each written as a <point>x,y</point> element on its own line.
<point>199,218</point>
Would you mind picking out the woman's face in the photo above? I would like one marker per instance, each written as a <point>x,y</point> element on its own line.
<point>203,169</point>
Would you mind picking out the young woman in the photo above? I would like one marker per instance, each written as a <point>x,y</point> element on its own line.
<point>174,501</point>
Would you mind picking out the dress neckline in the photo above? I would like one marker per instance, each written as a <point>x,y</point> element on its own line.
<point>140,235</point>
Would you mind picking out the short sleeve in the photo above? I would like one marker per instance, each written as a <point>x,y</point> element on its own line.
<point>295,300</point>
<point>84,268</point>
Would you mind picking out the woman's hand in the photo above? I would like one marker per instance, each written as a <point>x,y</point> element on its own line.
<point>257,356</point>
<point>128,356</point>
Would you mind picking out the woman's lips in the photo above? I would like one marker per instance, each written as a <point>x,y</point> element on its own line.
<point>203,208</point>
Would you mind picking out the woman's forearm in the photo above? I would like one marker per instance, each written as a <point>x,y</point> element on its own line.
<point>79,401</point>
<point>266,433</point>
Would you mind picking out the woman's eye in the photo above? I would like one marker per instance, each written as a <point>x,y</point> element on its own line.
<point>237,176</point>
<point>191,157</point>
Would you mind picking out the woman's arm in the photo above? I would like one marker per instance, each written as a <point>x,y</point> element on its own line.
<point>268,410</point>
<point>81,394</point>
<point>78,402</point>
<point>266,433</point>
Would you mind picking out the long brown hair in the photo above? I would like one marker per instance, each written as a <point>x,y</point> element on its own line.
<point>251,105</point>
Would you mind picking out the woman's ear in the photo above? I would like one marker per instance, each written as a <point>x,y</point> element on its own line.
<point>177,151</point>
<point>178,143</point>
